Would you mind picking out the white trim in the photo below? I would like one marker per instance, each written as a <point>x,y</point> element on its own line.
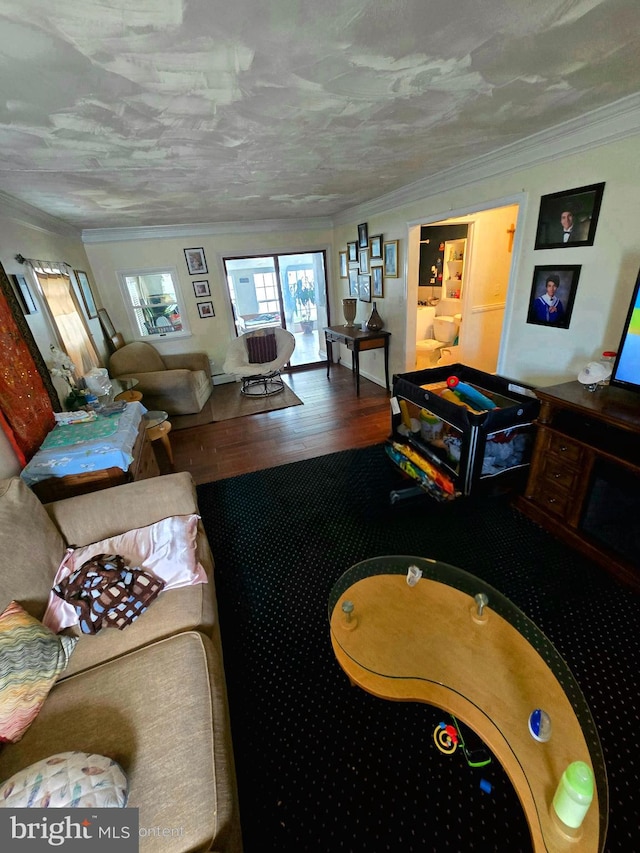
<point>31,217</point>
<point>203,229</point>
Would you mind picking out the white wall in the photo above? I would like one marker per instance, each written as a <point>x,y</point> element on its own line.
<point>536,354</point>
<point>211,335</point>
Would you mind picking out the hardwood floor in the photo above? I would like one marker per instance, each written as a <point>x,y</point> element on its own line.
<point>331,418</point>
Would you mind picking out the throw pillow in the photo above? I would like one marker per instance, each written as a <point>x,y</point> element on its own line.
<point>167,549</point>
<point>31,658</point>
<point>262,346</point>
<point>78,780</point>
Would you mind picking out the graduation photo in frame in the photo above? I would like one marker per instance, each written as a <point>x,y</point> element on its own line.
<point>569,218</point>
<point>553,293</point>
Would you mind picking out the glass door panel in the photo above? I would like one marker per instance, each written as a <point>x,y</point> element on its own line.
<point>287,290</point>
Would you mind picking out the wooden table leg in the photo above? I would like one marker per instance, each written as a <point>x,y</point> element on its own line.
<point>161,433</point>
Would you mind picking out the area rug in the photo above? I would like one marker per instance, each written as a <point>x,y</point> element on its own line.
<point>323,766</point>
<point>227,402</point>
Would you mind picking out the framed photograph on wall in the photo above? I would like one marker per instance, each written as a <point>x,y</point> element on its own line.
<point>343,265</point>
<point>205,309</point>
<point>363,236</point>
<point>391,259</point>
<point>353,282</point>
<point>569,218</point>
<point>24,295</point>
<point>553,292</point>
<point>196,262</point>
<point>105,322</point>
<point>376,282</point>
<point>364,288</point>
<point>201,288</point>
<point>352,252</point>
<point>87,295</point>
<point>375,246</point>
<point>363,261</point>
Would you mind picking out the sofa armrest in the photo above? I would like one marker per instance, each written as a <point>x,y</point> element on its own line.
<point>109,512</point>
<point>188,361</point>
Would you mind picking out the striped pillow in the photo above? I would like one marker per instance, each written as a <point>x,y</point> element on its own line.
<point>31,658</point>
<point>261,346</point>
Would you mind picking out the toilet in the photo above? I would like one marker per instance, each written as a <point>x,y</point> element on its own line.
<point>435,329</point>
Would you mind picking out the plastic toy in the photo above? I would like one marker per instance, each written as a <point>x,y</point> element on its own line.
<point>471,395</point>
<point>447,738</point>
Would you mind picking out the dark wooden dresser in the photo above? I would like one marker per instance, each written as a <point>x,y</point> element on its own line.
<point>584,480</point>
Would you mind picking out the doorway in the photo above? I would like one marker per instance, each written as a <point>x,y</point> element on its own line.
<point>483,295</point>
<point>285,289</point>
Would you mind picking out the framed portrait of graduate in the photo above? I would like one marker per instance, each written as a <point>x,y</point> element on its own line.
<point>553,293</point>
<point>569,218</point>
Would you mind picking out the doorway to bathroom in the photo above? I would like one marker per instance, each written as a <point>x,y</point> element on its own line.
<point>461,275</point>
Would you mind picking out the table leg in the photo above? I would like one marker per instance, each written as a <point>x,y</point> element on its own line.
<point>329,354</point>
<point>386,361</point>
<point>356,359</point>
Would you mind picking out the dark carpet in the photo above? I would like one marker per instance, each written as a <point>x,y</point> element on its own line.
<point>323,766</point>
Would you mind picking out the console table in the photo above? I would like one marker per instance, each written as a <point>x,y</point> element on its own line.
<point>357,340</point>
<point>584,479</point>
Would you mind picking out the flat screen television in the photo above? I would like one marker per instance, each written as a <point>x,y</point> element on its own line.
<point>626,369</point>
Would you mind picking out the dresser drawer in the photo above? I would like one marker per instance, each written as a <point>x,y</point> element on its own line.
<point>552,498</point>
<point>566,451</point>
<point>557,471</point>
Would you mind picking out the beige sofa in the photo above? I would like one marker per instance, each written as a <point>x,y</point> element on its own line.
<point>151,696</point>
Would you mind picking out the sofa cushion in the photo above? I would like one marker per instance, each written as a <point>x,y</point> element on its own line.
<point>67,780</point>
<point>160,713</point>
<point>30,541</point>
<point>31,658</point>
<point>167,549</point>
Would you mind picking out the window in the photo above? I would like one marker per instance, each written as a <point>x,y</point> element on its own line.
<point>153,301</point>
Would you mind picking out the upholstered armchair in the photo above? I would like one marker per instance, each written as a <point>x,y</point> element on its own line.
<point>257,358</point>
<point>177,384</point>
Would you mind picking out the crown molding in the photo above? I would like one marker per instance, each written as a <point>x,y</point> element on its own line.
<point>203,229</point>
<point>602,126</point>
<point>31,217</point>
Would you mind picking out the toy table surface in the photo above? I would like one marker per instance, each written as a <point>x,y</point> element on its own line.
<point>427,643</point>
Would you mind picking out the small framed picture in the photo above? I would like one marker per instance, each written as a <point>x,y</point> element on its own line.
<point>87,295</point>
<point>343,264</point>
<point>205,309</point>
<point>375,246</point>
<point>363,261</point>
<point>24,295</point>
<point>352,252</point>
<point>553,293</point>
<point>363,236</point>
<point>391,259</point>
<point>353,281</point>
<point>569,218</point>
<point>201,288</point>
<point>196,262</point>
<point>364,288</point>
<point>376,282</point>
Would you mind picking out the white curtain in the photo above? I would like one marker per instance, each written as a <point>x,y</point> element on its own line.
<point>68,320</point>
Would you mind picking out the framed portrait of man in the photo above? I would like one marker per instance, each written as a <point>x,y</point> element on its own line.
<point>553,293</point>
<point>569,218</point>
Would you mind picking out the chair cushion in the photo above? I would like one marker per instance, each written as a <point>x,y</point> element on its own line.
<point>136,357</point>
<point>262,346</point>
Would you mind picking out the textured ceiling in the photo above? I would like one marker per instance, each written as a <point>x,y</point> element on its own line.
<point>121,113</point>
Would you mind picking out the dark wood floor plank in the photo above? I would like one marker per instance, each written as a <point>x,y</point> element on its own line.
<point>331,418</point>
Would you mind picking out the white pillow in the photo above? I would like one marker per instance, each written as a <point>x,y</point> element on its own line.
<point>67,780</point>
<point>166,548</point>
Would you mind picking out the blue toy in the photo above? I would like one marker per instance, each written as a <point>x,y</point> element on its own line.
<point>469,394</point>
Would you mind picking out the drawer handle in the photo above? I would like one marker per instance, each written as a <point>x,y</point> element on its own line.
<point>564,448</point>
<point>557,475</point>
<point>552,500</point>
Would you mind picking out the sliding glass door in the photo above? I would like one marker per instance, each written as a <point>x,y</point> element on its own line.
<point>287,290</point>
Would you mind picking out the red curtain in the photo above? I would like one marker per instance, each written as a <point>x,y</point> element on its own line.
<point>25,403</point>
